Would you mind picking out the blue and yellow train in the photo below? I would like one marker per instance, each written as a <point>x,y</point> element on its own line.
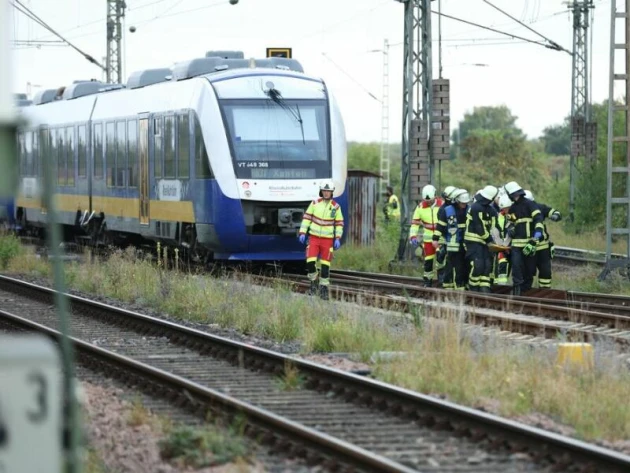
<point>218,155</point>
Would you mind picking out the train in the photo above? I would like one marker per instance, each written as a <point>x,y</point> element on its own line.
<point>218,156</point>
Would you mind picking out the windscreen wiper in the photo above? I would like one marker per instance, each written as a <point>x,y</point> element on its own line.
<point>276,97</point>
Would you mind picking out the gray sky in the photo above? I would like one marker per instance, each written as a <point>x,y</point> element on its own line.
<point>331,38</point>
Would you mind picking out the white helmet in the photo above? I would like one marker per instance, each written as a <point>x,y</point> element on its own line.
<point>512,188</point>
<point>461,196</point>
<point>448,192</point>
<point>529,195</point>
<point>489,192</point>
<point>327,185</point>
<point>428,192</point>
<point>505,202</point>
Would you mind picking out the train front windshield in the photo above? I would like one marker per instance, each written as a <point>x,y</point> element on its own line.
<point>278,140</point>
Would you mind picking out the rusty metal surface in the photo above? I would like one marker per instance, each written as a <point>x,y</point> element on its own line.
<point>362,206</point>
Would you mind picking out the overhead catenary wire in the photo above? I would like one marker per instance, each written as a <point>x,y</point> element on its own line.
<point>552,43</point>
<point>511,35</point>
<point>19,6</point>
<point>351,78</point>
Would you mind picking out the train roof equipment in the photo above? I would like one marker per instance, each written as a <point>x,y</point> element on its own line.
<point>148,77</point>
<point>81,89</point>
<point>208,65</point>
<point>226,54</point>
<point>44,96</point>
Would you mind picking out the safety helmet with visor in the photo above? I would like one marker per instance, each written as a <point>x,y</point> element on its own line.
<point>326,185</point>
<point>428,192</point>
<point>489,192</point>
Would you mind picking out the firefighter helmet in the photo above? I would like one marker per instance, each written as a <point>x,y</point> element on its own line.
<point>428,192</point>
<point>448,192</point>
<point>327,185</point>
<point>489,192</point>
<point>513,189</point>
<point>505,202</point>
<point>461,196</point>
<point>529,195</point>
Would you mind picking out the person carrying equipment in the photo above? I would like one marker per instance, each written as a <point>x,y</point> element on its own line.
<point>323,224</point>
<point>544,248</point>
<point>391,209</point>
<point>526,233</point>
<point>441,258</point>
<point>504,224</point>
<point>451,229</point>
<point>425,215</point>
<point>480,220</point>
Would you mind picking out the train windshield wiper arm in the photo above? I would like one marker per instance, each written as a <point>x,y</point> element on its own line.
<point>277,98</point>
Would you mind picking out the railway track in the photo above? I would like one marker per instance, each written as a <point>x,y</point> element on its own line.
<point>578,256</point>
<point>337,420</point>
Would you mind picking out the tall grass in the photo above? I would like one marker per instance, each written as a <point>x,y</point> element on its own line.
<point>442,356</point>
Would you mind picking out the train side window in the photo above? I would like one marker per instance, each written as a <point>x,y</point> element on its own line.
<point>44,150</point>
<point>132,140</point>
<point>34,164</point>
<point>158,150</point>
<point>110,153</point>
<point>183,146</point>
<point>59,161</point>
<point>82,151</point>
<point>71,163</point>
<point>98,151</point>
<point>121,160</point>
<point>169,146</point>
<point>202,165</point>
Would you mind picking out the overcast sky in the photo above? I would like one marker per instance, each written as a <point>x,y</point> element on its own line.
<point>332,40</point>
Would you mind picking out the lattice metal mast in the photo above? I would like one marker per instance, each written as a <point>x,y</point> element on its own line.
<point>113,60</point>
<point>385,161</point>
<point>582,129</point>
<point>417,91</point>
<point>618,164</point>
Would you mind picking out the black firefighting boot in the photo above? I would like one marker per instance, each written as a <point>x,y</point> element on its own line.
<point>427,282</point>
<point>516,291</point>
<point>313,289</point>
<point>485,290</point>
<point>323,293</point>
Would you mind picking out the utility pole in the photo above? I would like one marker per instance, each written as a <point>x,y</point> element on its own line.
<point>618,167</point>
<point>385,177</point>
<point>113,61</point>
<point>583,130</point>
<point>417,103</point>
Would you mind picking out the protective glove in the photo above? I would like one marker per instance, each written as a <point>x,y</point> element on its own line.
<point>413,241</point>
<point>556,217</point>
<point>530,248</point>
<point>302,238</point>
<point>336,244</point>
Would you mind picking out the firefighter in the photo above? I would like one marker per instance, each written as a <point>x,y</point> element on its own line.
<point>504,223</point>
<point>544,248</point>
<point>451,228</point>
<point>425,215</point>
<point>392,206</point>
<point>441,259</point>
<point>526,233</point>
<point>323,225</point>
<point>480,220</point>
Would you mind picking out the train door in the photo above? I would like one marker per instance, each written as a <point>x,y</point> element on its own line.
<point>143,158</point>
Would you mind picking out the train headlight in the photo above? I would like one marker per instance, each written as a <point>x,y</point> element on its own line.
<point>248,193</point>
<point>285,217</point>
<point>263,220</point>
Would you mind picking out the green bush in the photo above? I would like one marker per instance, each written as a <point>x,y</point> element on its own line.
<point>9,248</point>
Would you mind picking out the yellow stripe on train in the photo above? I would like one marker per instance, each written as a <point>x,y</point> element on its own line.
<point>179,211</point>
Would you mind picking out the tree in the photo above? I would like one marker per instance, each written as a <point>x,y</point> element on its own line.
<point>487,118</point>
<point>557,138</point>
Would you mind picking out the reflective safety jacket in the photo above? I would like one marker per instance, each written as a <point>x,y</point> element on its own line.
<point>425,215</point>
<point>393,206</point>
<point>546,212</point>
<point>323,219</point>
<point>451,226</point>
<point>527,219</point>
<point>480,220</point>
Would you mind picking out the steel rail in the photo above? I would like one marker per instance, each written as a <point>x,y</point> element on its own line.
<point>542,445</point>
<point>337,450</point>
